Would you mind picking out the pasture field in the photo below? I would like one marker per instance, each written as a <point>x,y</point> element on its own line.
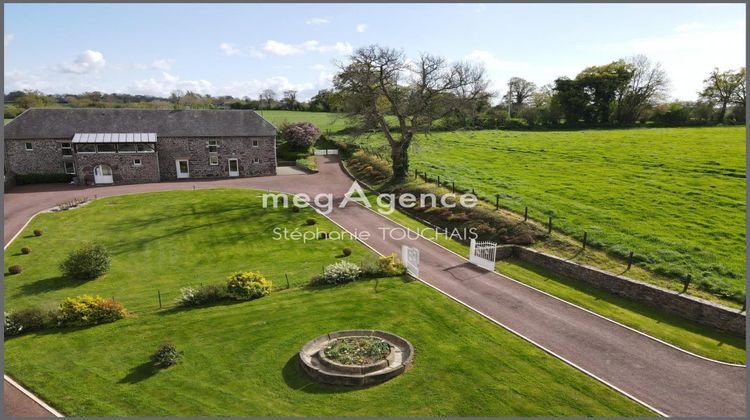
<point>240,358</point>
<point>325,121</point>
<point>673,196</point>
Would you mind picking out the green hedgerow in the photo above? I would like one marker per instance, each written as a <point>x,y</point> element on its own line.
<point>87,262</point>
<point>248,285</point>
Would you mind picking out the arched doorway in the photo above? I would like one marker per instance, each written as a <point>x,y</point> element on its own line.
<point>103,174</point>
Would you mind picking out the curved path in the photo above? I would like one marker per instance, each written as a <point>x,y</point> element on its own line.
<point>667,379</point>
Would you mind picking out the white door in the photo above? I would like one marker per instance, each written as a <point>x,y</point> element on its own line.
<point>103,175</point>
<point>234,167</point>
<point>183,168</point>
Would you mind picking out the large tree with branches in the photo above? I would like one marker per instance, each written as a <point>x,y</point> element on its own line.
<point>380,85</point>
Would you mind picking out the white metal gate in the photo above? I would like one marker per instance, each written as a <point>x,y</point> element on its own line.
<point>483,254</point>
<point>410,258</point>
<point>322,152</point>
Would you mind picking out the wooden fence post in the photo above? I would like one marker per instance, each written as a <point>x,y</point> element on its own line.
<point>287,280</point>
<point>549,228</point>
<point>416,173</point>
<point>453,186</point>
<point>497,201</point>
<point>687,282</point>
<point>158,295</point>
<point>630,260</point>
<point>438,180</point>
<point>585,238</point>
<point>526,214</point>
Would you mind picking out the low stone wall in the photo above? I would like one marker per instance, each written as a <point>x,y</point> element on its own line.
<point>698,310</point>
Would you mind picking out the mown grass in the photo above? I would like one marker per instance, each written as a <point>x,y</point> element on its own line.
<point>240,359</point>
<point>164,241</point>
<point>675,197</point>
<point>675,330</point>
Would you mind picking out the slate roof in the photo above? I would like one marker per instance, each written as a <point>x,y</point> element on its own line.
<point>45,123</point>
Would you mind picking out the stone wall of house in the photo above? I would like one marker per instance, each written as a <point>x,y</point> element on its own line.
<point>698,310</point>
<point>46,158</point>
<point>195,150</point>
<point>124,171</point>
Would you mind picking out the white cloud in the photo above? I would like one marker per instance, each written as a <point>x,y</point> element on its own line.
<point>493,63</point>
<point>318,67</point>
<point>231,49</point>
<point>317,21</point>
<point>160,64</point>
<point>362,27</point>
<point>88,61</point>
<point>16,80</point>
<point>687,27</point>
<point>8,39</point>
<point>169,83</point>
<point>284,49</point>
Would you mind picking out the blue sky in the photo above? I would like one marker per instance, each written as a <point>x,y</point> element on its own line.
<point>242,49</point>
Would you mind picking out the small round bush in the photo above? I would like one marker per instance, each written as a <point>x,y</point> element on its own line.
<point>295,209</point>
<point>311,222</point>
<point>25,250</point>
<point>248,285</point>
<point>38,232</point>
<point>323,235</point>
<point>15,269</point>
<point>165,356</point>
<point>347,251</point>
<point>338,273</point>
<point>87,262</point>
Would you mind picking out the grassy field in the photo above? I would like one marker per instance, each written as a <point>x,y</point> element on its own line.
<point>676,197</point>
<point>673,329</point>
<point>325,121</point>
<point>239,359</point>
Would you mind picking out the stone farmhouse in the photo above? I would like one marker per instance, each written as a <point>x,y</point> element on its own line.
<point>125,146</point>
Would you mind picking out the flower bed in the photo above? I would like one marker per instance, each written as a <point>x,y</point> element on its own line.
<point>357,350</point>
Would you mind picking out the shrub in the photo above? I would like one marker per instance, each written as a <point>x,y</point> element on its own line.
<point>38,232</point>
<point>25,250</point>
<point>311,222</point>
<point>15,269</point>
<point>295,209</point>
<point>300,135</point>
<point>27,320</point>
<point>248,285</point>
<point>323,235</point>
<point>386,266</point>
<point>338,273</point>
<point>347,252</point>
<point>165,356</point>
<point>202,295</point>
<point>25,179</point>
<point>87,262</point>
<point>88,310</point>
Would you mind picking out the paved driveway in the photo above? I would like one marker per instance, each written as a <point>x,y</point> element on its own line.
<point>669,380</point>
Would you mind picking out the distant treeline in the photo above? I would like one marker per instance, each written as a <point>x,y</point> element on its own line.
<point>623,93</point>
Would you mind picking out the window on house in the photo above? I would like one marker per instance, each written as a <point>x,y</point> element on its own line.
<point>67,149</point>
<point>86,148</point>
<point>213,160</point>
<point>213,146</point>
<point>69,167</point>
<point>29,147</point>
<point>256,160</point>
<point>144,148</point>
<point>106,148</point>
<point>126,148</point>
<point>255,143</point>
<point>137,162</point>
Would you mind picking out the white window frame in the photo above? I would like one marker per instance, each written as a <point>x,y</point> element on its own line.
<point>29,146</point>
<point>147,148</point>
<point>256,160</point>
<point>137,162</point>
<point>213,144</point>
<point>213,159</point>
<point>68,148</point>
<point>255,143</point>
<point>72,165</point>
<point>85,153</point>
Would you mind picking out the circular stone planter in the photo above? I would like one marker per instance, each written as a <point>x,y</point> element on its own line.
<point>324,370</point>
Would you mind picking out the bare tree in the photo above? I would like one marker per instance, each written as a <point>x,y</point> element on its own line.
<point>648,84</point>
<point>722,87</point>
<point>290,99</point>
<point>267,96</point>
<point>380,82</point>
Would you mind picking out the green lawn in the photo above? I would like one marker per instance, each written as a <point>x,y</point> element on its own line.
<point>676,197</point>
<point>673,329</point>
<point>325,121</point>
<point>239,359</point>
